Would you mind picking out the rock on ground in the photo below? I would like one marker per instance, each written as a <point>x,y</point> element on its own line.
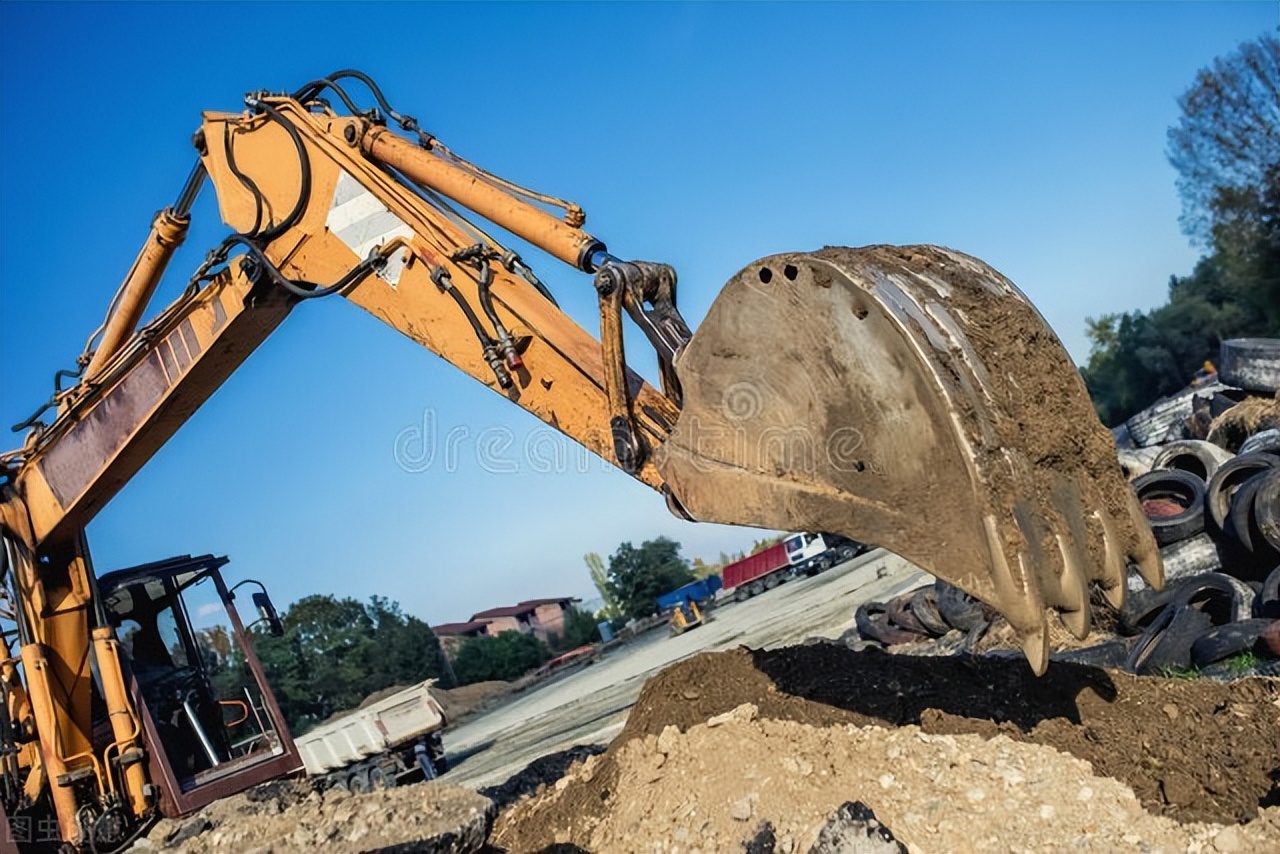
<point>428,818</point>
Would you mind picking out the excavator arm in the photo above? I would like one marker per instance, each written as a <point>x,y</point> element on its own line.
<point>891,395</point>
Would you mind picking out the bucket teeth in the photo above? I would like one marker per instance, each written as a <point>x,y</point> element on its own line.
<point>909,397</point>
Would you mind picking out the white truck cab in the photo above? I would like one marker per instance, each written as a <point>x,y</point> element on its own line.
<point>813,553</point>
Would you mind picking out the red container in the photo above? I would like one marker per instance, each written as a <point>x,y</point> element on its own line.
<point>754,566</point>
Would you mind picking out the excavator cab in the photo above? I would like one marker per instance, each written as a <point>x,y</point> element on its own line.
<point>213,725</point>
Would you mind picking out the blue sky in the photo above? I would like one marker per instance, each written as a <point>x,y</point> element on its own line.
<point>702,135</point>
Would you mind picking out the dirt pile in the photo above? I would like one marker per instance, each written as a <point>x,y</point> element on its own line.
<point>946,751</point>
<point>712,788</point>
<point>292,818</point>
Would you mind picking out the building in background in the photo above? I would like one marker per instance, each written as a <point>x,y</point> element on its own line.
<point>540,617</point>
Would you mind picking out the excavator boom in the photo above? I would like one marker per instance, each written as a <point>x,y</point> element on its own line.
<point>906,396</point>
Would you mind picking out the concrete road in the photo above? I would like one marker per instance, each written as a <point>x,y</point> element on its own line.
<point>589,706</point>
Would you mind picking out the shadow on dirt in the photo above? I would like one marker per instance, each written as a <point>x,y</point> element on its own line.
<point>897,689</point>
<point>544,770</point>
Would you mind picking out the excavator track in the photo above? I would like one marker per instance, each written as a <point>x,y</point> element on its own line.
<point>910,397</point>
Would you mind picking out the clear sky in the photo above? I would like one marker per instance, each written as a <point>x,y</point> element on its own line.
<point>702,135</point>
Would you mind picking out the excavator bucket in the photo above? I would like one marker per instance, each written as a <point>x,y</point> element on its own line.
<point>913,398</point>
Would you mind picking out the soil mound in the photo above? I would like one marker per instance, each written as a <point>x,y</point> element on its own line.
<point>1188,750</point>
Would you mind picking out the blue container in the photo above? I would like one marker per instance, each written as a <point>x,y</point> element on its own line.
<point>695,591</point>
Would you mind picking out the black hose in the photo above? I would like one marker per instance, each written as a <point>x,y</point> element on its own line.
<point>476,325</point>
<point>304,165</point>
<point>262,262</point>
<point>315,87</point>
<point>406,122</point>
<point>245,180</point>
<point>486,302</point>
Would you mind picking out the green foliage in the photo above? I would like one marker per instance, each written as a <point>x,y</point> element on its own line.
<point>1171,671</point>
<point>1242,663</point>
<point>580,629</point>
<point>335,652</point>
<point>1226,143</point>
<point>600,578</point>
<point>1138,357</point>
<point>508,656</point>
<point>637,576</point>
<point>1226,148</point>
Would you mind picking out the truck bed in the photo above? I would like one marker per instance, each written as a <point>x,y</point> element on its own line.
<point>389,723</point>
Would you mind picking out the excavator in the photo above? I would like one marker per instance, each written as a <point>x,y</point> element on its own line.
<point>909,396</point>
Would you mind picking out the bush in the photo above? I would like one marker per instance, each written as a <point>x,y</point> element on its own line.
<point>508,656</point>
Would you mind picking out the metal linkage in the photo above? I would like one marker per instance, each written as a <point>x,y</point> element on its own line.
<point>647,291</point>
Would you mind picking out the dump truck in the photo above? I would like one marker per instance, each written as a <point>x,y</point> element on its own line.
<point>909,396</point>
<point>391,741</point>
<point>754,574</point>
<point>810,554</point>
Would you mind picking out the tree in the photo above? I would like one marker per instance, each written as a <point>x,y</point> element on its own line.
<point>507,656</point>
<point>600,578</point>
<point>580,629</point>
<point>637,576</point>
<point>1138,357</point>
<point>1226,149</point>
<point>335,652</point>
<point>1226,145</point>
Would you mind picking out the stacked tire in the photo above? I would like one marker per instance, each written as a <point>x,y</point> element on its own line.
<point>939,610</point>
<point>1215,515</point>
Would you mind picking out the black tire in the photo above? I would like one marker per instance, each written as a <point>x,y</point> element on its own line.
<point>1239,525</point>
<point>924,604</point>
<point>1182,488</point>
<point>1166,643</point>
<point>1266,510</point>
<point>1142,606</point>
<point>1111,653</point>
<point>1264,442</point>
<point>1163,421</point>
<point>1224,598</point>
<point>1196,456</point>
<point>380,779</point>
<point>1227,479</point>
<point>872,620</point>
<point>1199,604</point>
<point>1250,363</point>
<point>741,594</point>
<point>1190,557</point>
<point>1267,602</point>
<point>358,783</point>
<point>959,609</point>
<point>847,553</point>
<point>900,615</point>
<point>1232,639</point>
<point>755,588</point>
<point>772,580</point>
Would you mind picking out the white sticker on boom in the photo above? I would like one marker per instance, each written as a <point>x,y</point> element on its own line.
<point>363,223</point>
